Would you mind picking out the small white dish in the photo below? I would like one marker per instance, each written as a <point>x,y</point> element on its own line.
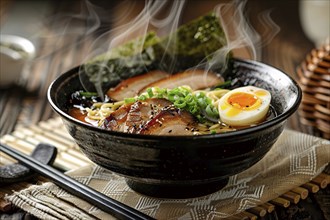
<point>15,53</point>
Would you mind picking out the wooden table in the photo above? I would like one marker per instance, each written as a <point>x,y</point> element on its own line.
<point>63,37</point>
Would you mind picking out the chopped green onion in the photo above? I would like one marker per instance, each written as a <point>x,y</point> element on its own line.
<point>193,109</point>
<point>211,111</point>
<point>142,97</point>
<point>223,85</point>
<point>88,94</point>
<point>183,97</point>
<point>180,103</point>
<point>129,100</point>
<point>150,93</point>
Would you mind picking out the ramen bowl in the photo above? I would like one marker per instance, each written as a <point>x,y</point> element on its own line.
<point>183,166</point>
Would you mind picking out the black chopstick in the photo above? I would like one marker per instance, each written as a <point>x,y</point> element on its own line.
<point>107,204</point>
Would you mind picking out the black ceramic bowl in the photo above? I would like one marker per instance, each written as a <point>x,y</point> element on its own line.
<point>183,166</point>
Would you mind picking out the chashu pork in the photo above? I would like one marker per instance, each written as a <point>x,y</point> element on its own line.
<point>116,120</point>
<point>131,117</point>
<point>170,121</point>
<point>196,79</point>
<point>131,86</point>
<point>153,116</point>
<point>143,111</point>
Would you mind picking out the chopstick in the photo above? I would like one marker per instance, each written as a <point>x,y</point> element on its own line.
<point>107,204</point>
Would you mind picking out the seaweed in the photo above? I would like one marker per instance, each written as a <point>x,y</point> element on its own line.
<point>128,49</point>
<point>194,42</point>
<point>187,47</point>
<point>127,60</point>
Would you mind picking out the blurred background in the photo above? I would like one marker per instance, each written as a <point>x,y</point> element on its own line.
<point>63,33</point>
<point>41,39</point>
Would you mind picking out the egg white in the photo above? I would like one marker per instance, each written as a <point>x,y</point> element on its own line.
<point>244,116</point>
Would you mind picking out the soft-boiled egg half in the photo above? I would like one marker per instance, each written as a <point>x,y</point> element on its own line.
<point>244,106</point>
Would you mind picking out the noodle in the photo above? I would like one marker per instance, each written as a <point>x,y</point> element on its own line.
<point>211,111</point>
<point>99,111</point>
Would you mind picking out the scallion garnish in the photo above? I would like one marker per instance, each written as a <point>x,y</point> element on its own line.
<point>129,100</point>
<point>223,85</point>
<point>88,94</point>
<point>183,97</point>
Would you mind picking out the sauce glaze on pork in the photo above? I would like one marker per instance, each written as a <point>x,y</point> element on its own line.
<point>153,116</point>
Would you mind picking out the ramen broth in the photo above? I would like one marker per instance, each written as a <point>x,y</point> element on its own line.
<point>90,110</point>
<point>81,115</point>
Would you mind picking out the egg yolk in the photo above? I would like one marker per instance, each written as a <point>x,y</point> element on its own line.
<point>242,100</point>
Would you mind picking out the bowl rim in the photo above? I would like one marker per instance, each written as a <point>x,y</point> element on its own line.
<point>243,132</point>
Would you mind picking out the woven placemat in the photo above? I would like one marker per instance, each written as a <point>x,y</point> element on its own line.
<point>70,159</point>
<point>52,132</point>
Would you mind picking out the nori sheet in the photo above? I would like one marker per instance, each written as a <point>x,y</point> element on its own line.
<point>187,47</point>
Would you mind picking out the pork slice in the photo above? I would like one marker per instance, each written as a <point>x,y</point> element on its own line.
<point>143,111</point>
<point>116,120</point>
<point>170,121</point>
<point>196,79</point>
<point>131,86</point>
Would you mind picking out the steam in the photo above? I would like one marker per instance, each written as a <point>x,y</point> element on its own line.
<point>148,19</point>
<point>145,21</point>
<point>270,28</point>
<point>84,23</point>
<point>239,33</point>
<point>242,40</point>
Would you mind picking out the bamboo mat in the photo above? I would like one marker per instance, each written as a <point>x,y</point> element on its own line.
<point>52,132</point>
<point>69,157</point>
<point>26,138</point>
